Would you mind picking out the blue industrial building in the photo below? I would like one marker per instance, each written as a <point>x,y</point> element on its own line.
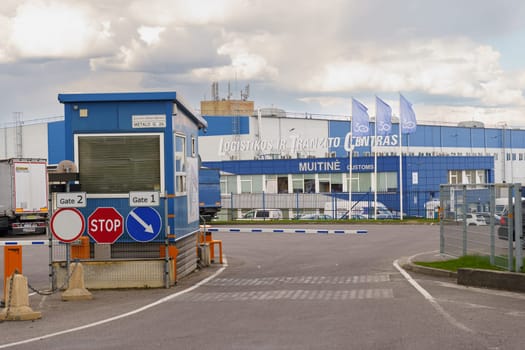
<point>273,152</point>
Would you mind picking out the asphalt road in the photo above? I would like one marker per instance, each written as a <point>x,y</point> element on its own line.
<point>284,291</point>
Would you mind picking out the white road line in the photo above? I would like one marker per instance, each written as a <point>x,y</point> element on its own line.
<point>431,299</point>
<point>124,315</point>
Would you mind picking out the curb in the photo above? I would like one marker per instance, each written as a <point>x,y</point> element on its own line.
<point>490,279</point>
<point>407,264</point>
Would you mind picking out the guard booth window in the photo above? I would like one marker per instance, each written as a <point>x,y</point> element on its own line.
<point>180,164</point>
<point>119,163</point>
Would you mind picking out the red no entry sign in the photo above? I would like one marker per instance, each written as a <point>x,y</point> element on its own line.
<point>105,225</point>
<point>67,224</point>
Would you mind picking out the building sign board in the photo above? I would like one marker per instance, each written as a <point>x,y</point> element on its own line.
<point>296,144</point>
<point>145,121</point>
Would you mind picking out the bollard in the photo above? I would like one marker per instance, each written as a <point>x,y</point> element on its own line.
<point>76,289</point>
<point>17,301</point>
<point>12,263</point>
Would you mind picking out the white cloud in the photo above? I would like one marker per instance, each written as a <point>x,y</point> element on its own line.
<point>150,35</point>
<point>245,65</point>
<point>54,30</point>
<point>296,53</point>
<point>454,67</point>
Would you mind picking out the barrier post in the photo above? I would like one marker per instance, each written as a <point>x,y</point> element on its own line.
<point>80,251</point>
<point>12,263</point>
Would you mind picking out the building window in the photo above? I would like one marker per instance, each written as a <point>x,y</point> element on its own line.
<point>481,176</point>
<point>271,184</point>
<point>455,177</point>
<point>361,182</point>
<point>387,182</point>
<point>193,146</point>
<point>297,183</point>
<point>120,163</point>
<point>180,164</point>
<point>231,184</point>
<point>246,184</point>
<point>324,183</point>
<point>282,184</point>
<point>468,177</point>
<point>224,184</point>
<point>309,183</point>
<point>337,182</point>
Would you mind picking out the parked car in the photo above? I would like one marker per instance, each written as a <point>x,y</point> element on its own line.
<point>503,229</point>
<point>315,217</point>
<point>475,219</point>
<point>486,216</point>
<point>353,217</point>
<point>263,214</point>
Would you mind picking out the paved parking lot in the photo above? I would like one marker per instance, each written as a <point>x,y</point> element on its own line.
<point>286,290</point>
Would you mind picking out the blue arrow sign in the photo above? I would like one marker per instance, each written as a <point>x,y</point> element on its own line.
<point>143,224</point>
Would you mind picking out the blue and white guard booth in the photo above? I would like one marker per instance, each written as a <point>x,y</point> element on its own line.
<point>136,154</point>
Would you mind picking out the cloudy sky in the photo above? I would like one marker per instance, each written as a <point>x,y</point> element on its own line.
<point>455,60</point>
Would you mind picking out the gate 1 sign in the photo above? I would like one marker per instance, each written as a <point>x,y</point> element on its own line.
<point>105,225</point>
<point>67,224</point>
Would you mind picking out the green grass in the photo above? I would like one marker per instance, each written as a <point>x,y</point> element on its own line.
<point>467,261</point>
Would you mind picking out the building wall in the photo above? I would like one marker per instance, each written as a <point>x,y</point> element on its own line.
<point>505,145</point>
<point>227,107</point>
<point>25,141</point>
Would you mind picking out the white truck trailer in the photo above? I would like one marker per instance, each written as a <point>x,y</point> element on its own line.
<point>23,196</point>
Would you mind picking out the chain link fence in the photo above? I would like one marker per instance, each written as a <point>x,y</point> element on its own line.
<point>479,220</point>
<point>417,203</point>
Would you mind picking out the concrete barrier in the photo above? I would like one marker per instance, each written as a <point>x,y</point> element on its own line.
<point>17,301</point>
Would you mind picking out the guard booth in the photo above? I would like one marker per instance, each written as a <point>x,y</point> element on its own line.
<point>137,161</point>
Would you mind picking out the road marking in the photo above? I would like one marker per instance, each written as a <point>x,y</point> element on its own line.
<point>299,294</point>
<point>324,280</point>
<point>285,230</point>
<point>121,316</point>
<point>431,299</point>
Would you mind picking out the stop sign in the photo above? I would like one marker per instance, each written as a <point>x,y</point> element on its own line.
<point>105,225</point>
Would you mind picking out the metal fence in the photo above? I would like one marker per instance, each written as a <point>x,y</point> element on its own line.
<point>479,219</point>
<point>296,204</point>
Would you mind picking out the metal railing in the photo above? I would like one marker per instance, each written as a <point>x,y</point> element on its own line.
<point>479,220</point>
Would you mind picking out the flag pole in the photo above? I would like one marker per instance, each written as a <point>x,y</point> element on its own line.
<point>375,165</point>
<point>350,174</point>
<point>400,167</point>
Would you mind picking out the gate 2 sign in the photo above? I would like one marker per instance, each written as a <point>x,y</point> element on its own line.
<point>143,224</point>
<point>105,225</point>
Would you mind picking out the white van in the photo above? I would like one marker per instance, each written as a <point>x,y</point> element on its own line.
<point>263,214</point>
<point>358,208</point>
